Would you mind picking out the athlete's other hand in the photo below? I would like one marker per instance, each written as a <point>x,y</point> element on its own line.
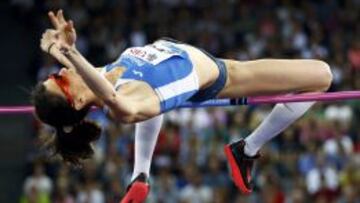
<point>49,40</point>
<point>66,30</point>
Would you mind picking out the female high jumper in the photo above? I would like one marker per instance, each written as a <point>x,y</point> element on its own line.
<point>145,82</point>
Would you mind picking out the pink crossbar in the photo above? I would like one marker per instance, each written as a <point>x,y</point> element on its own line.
<point>329,96</point>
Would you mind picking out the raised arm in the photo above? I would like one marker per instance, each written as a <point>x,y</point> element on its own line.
<point>123,106</point>
<point>53,40</point>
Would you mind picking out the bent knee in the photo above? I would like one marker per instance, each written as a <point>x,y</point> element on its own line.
<point>324,75</point>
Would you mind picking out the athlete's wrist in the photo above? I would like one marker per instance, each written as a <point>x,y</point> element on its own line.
<point>50,47</point>
<point>69,51</point>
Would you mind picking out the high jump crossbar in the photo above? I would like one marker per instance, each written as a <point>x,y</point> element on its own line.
<point>273,99</point>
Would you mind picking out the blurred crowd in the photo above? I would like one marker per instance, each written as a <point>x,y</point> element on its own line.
<point>315,160</point>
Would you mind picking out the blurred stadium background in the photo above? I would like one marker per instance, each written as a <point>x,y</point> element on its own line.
<point>316,160</point>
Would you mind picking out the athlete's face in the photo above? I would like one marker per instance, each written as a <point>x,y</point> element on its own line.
<point>67,84</point>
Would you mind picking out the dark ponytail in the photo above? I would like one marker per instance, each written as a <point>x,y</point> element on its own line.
<point>73,134</point>
<point>73,142</point>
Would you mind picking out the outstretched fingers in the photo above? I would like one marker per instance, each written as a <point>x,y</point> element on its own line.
<point>54,20</point>
<point>58,20</point>
<point>60,17</point>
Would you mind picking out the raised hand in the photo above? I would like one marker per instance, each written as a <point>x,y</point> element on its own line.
<point>65,29</point>
<point>51,43</point>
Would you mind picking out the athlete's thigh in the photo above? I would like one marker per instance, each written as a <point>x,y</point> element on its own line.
<point>274,76</point>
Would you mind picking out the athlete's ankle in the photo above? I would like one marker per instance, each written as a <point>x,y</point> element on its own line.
<point>249,151</point>
<point>137,174</point>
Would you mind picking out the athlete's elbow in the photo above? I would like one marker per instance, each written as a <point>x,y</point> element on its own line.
<point>128,119</point>
<point>132,118</point>
<point>123,108</point>
<point>324,75</point>
<point>111,99</point>
<point>137,116</point>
